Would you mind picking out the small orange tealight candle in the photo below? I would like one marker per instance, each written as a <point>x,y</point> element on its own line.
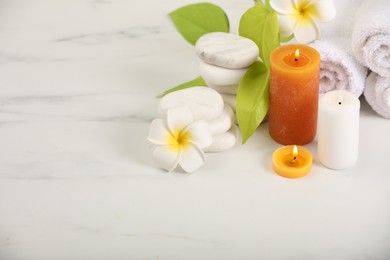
<point>292,161</point>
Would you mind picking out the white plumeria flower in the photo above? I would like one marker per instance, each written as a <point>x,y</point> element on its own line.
<point>298,17</point>
<point>180,140</point>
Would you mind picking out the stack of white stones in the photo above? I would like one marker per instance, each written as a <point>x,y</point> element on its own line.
<point>225,58</point>
<point>205,104</point>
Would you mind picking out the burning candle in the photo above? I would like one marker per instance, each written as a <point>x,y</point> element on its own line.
<point>293,101</point>
<point>292,161</point>
<point>338,129</point>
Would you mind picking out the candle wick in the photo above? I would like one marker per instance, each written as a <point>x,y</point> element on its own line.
<point>293,161</point>
<point>296,59</point>
<point>339,102</point>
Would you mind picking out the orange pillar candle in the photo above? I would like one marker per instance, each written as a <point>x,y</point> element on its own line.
<point>293,100</point>
<point>292,161</point>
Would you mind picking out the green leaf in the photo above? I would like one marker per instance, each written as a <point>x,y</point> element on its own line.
<point>260,24</point>
<point>268,5</point>
<point>286,39</point>
<point>195,20</point>
<point>252,99</point>
<point>199,81</point>
<point>259,2</point>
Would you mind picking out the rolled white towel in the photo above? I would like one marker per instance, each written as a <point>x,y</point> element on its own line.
<point>377,94</point>
<point>339,70</point>
<point>371,36</point>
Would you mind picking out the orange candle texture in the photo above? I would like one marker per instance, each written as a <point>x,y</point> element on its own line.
<point>294,86</point>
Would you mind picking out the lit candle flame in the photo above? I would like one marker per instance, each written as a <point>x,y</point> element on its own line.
<point>295,154</point>
<point>340,100</point>
<point>296,55</point>
<point>295,151</point>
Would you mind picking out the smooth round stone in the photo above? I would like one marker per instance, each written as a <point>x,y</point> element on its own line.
<point>223,122</point>
<point>230,100</point>
<point>220,76</point>
<point>205,103</point>
<point>224,89</point>
<point>226,50</point>
<point>225,141</point>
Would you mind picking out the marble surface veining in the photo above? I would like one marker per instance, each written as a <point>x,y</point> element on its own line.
<point>78,81</point>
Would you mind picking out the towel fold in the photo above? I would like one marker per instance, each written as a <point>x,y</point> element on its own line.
<point>371,36</point>
<point>339,69</point>
<point>377,94</point>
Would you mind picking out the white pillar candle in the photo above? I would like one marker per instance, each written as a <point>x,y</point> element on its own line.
<point>338,129</point>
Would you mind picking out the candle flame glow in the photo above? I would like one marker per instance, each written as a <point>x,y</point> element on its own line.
<point>295,154</point>
<point>296,54</point>
<point>295,151</point>
<point>340,100</point>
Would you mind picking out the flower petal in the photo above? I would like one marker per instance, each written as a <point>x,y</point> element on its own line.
<point>179,118</point>
<point>192,158</point>
<point>306,30</point>
<point>287,24</point>
<point>166,157</point>
<point>158,132</point>
<point>199,133</point>
<point>300,5</point>
<point>283,6</point>
<point>323,10</point>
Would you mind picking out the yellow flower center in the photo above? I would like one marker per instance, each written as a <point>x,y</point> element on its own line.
<point>179,139</point>
<point>304,10</point>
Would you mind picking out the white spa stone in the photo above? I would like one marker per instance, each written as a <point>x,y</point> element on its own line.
<point>226,50</point>
<point>225,141</point>
<point>230,100</point>
<point>220,76</point>
<point>205,103</point>
<point>223,122</point>
<point>224,89</point>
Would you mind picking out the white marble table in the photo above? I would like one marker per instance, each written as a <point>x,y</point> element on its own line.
<point>77,181</point>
